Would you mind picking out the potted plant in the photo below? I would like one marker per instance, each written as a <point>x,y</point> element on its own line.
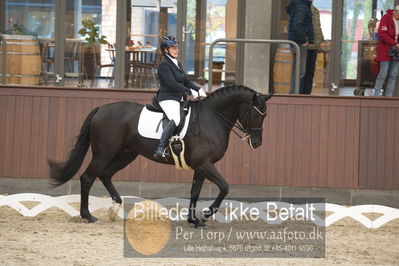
<point>90,31</point>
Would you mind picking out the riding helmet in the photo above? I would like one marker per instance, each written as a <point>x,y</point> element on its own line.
<point>168,41</point>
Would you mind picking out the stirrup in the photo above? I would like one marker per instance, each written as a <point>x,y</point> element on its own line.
<point>158,154</point>
<point>164,155</point>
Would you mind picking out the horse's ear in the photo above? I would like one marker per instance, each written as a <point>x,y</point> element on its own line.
<point>267,97</point>
<point>270,95</point>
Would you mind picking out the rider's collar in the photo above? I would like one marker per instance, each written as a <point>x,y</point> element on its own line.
<point>174,61</point>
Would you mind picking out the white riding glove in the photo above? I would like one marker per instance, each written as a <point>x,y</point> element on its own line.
<point>202,93</point>
<point>194,93</point>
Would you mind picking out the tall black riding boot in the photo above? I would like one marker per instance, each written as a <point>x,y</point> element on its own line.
<point>163,143</point>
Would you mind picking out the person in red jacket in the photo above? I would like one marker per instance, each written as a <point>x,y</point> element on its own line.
<point>388,33</point>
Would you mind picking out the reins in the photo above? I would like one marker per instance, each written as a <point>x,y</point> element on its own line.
<point>226,122</point>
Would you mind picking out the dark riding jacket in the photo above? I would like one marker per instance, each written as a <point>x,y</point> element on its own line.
<point>300,26</point>
<point>174,83</point>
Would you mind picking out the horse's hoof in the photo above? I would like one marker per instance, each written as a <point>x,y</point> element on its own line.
<point>111,214</point>
<point>113,211</point>
<point>90,219</point>
<point>201,223</point>
<point>193,221</point>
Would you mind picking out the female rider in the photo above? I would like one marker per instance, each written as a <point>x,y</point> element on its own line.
<point>173,86</point>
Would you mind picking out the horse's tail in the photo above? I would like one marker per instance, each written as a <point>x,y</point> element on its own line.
<point>61,172</point>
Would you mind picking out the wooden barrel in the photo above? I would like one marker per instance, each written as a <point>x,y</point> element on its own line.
<point>23,59</point>
<point>282,69</point>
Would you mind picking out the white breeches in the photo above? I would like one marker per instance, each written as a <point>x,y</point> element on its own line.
<point>172,110</point>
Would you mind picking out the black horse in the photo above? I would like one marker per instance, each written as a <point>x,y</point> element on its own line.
<point>112,132</point>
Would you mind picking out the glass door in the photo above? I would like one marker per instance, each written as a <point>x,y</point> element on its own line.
<point>195,24</point>
<point>282,63</point>
<point>202,23</point>
<point>358,67</point>
<point>188,35</point>
<point>322,75</point>
<point>90,62</point>
<point>150,21</point>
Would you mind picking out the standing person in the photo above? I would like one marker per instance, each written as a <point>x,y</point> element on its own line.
<point>313,49</point>
<point>388,36</point>
<point>174,85</point>
<point>300,30</point>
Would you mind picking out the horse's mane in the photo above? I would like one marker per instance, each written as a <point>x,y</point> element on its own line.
<point>222,92</point>
<point>228,90</point>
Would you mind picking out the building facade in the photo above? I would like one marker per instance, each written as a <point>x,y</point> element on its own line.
<point>134,28</point>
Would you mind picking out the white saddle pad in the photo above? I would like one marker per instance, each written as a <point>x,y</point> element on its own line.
<point>149,121</point>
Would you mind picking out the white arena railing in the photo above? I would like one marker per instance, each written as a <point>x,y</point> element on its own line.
<point>338,212</point>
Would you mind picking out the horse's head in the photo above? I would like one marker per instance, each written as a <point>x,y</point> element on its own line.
<point>252,116</point>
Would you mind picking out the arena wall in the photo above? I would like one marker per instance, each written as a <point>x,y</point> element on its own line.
<point>308,141</point>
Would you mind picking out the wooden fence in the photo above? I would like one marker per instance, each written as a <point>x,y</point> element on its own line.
<point>311,141</point>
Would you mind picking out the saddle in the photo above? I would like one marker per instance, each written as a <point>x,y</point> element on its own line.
<point>154,106</point>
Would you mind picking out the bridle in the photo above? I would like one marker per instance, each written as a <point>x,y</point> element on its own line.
<point>256,108</point>
<point>247,131</point>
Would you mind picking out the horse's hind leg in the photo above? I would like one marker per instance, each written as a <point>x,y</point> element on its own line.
<point>198,181</point>
<point>86,181</point>
<point>120,161</point>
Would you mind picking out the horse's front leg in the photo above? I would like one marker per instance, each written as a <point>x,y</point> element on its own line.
<point>212,174</point>
<point>198,180</point>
